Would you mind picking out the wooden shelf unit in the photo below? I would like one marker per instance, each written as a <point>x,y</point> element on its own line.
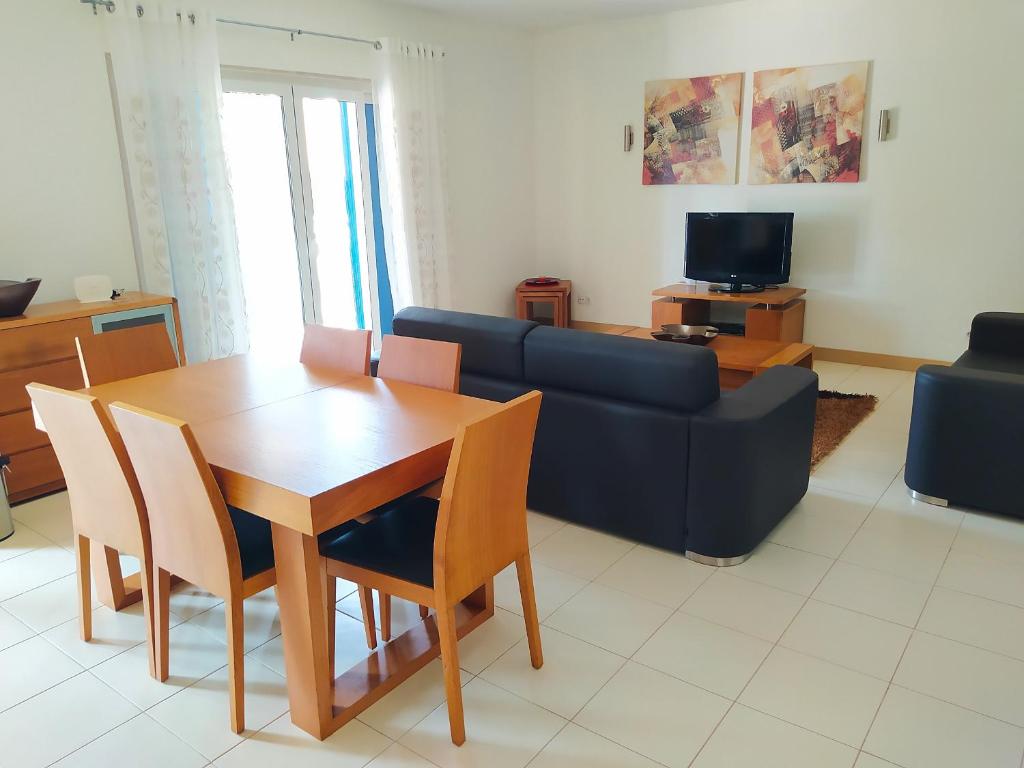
<point>775,314</point>
<point>40,346</point>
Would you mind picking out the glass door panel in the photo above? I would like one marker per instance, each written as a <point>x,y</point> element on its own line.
<point>307,205</point>
<point>330,130</point>
<point>254,141</point>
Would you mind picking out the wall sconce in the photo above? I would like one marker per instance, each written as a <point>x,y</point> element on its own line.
<point>627,138</point>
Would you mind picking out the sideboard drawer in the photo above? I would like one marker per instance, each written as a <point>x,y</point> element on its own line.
<point>66,374</point>
<point>42,343</point>
<point>30,470</point>
<point>18,433</point>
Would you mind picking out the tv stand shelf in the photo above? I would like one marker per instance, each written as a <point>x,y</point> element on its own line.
<point>775,314</point>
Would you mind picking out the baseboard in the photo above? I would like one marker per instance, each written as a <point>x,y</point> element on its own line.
<point>873,359</point>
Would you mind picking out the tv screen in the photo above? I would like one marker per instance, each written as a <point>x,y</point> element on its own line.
<point>739,248</point>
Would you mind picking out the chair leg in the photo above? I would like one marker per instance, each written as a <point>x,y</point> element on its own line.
<point>452,679</point>
<point>161,622</point>
<point>525,573</point>
<point>236,661</point>
<point>331,592</point>
<point>366,604</point>
<point>84,587</point>
<point>385,616</point>
<point>146,577</point>
<point>424,611</point>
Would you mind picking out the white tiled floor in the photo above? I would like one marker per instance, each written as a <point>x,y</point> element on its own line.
<point>869,631</point>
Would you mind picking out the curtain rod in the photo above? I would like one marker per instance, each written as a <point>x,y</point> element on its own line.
<point>293,31</point>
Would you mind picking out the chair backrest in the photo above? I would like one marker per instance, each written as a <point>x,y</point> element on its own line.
<point>425,362</point>
<point>339,349</point>
<point>192,532</point>
<point>126,353</point>
<point>481,523</point>
<point>106,502</point>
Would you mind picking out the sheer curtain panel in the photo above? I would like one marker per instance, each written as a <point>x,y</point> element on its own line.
<point>166,82</point>
<point>410,97</point>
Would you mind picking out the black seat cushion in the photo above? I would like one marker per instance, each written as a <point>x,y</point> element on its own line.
<point>254,544</point>
<point>399,542</point>
<point>337,531</point>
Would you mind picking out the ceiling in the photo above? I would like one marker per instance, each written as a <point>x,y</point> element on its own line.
<point>554,13</point>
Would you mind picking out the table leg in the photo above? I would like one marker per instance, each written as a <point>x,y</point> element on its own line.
<point>319,705</point>
<point>113,590</point>
<point>300,590</point>
<point>392,663</point>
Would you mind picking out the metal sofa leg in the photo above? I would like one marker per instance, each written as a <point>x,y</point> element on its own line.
<point>720,562</point>
<point>933,500</point>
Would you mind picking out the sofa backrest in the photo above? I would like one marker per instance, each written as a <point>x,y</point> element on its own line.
<point>679,377</point>
<point>491,346</point>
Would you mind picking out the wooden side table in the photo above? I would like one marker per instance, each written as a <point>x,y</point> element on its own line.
<point>558,295</point>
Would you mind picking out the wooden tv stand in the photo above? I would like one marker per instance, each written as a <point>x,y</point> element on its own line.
<point>775,314</point>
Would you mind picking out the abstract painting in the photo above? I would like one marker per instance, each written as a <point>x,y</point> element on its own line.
<point>807,124</point>
<point>691,130</point>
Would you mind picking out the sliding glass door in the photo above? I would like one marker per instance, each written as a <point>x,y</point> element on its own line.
<point>307,206</point>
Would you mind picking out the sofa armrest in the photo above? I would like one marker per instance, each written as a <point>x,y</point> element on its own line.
<point>998,333</point>
<point>750,460</point>
<point>965,437</point>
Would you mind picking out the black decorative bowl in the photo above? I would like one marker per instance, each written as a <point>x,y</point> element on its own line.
<point>15,296</point>
<point>698,335</point>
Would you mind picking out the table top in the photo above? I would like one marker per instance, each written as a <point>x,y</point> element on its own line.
<point>772,296</point>
<point>301,446</point>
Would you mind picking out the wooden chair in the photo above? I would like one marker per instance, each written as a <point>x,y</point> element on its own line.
<point>425,362</point>
<point>428,363</point>
<point>224,550</point>
<point>124,354</point>
<point>438,552</point>
<point>337,348</point>
<point>107,505</point>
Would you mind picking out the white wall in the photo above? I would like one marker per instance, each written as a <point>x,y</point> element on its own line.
<point>897,263</point>
<point>62,204</point>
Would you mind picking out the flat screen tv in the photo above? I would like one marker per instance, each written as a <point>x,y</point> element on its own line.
<point>745,251</point>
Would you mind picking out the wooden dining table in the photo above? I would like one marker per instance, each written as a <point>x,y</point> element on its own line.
<point>307,449</point>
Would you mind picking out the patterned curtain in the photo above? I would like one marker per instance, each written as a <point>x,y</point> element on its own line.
<point>410,99</point>
<point>166,76</point>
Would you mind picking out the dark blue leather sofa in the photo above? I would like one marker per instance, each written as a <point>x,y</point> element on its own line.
<point>634,437</point>
<point>966,442</point>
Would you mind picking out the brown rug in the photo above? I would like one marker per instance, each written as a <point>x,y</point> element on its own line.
<point>837,414</point>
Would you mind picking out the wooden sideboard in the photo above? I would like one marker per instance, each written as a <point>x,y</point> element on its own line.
<point>40,346</point>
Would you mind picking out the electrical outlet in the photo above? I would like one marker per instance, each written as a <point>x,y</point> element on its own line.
<point>582,299</point>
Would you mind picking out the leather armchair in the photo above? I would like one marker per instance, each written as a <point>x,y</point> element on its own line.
<point>966,442</point>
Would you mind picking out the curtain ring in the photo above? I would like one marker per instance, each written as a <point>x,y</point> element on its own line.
<point>140,11</point>
<point>192,18</point>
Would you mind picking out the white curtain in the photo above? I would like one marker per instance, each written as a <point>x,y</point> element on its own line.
<point>167,89</point>
<point>410,100</point>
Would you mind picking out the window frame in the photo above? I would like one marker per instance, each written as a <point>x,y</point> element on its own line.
<point>292,88</point>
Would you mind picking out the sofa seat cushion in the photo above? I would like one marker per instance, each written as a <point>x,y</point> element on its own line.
<point>987,361</point>
<point>491,346</point>
<point>675,376</point>
<point>399,542</point>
